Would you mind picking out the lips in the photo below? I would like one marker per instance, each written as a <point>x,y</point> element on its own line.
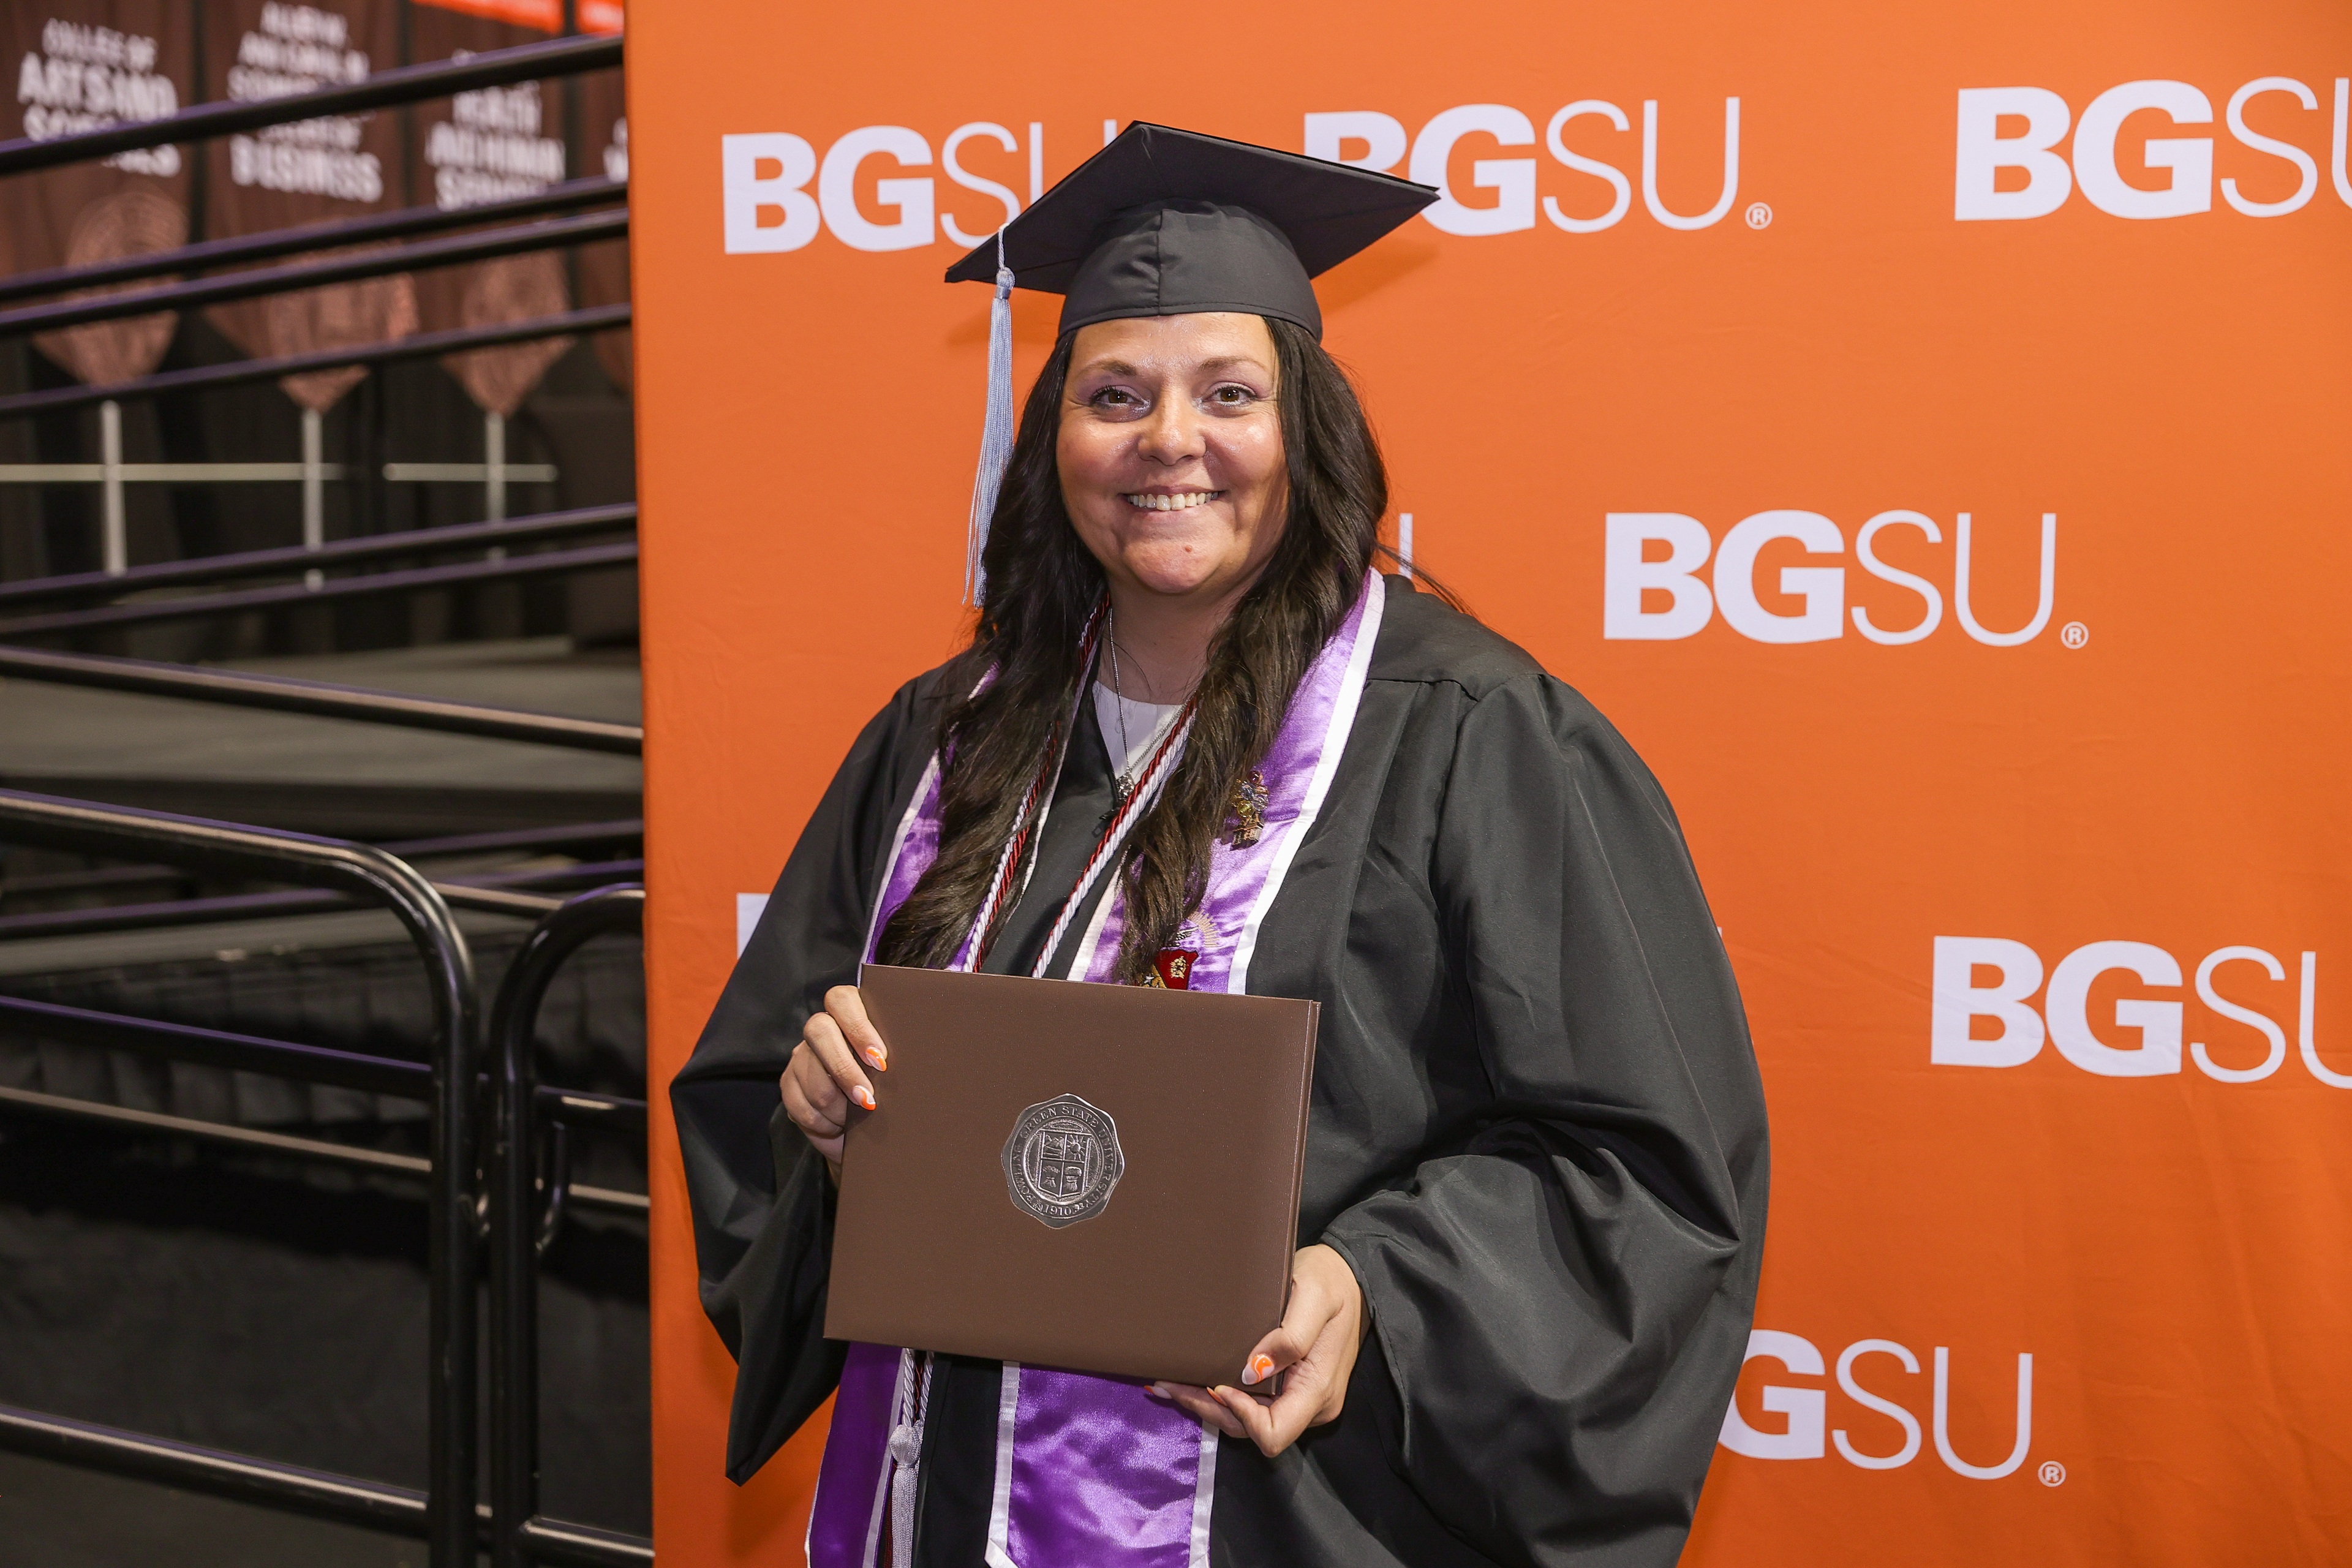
<point>1184,500</point>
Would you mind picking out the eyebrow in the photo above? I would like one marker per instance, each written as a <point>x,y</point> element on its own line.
<point>1120,367</point>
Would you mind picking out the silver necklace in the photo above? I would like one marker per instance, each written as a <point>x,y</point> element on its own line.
<point>1118,701</point>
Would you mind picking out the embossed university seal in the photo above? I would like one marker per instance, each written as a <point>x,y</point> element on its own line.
<point>1061,1161</point>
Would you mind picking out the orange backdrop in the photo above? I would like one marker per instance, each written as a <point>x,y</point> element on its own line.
<point>2040,914</point>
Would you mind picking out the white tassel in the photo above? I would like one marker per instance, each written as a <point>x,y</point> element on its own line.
<point>906,1451</point>
<point>996,434</point>
<point>905,1442</point>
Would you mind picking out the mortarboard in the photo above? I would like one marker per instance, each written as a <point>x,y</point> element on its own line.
<point>1165,222</point>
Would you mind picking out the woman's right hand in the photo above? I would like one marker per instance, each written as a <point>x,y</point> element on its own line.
<point>825,1074</point>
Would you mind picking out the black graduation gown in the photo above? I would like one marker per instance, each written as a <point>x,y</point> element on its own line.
<point>1537,1133</point>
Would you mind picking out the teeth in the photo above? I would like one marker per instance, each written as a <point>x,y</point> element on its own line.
<point>1183,502</point>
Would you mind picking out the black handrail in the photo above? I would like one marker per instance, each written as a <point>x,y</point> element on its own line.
<point>518,1535</point>
<point>562,836</point>
<point>66,1107</point>
<point>238,373</point>
<point>122,1116</point>
<point>408,84</point>
<point>283,1058</point>
<point>612,1111</point>
<point>555,1540</point>
<point>117,832</point>
<point>217,1048</point>
<point>619,830</point>
<point>373,1505</point>
<point>292,559</point>
<point>318,698</point>
<point>494,901</point>
<point>239,249</point>
<point>494,892</point>
<point>201,606</point>
<point>546,234</point>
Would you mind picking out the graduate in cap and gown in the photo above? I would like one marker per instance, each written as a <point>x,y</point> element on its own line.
<point>1200,740</point>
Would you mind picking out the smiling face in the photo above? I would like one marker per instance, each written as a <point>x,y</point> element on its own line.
<point>1170,453</point>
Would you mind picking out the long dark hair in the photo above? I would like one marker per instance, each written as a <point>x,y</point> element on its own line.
<point>1042,583</point>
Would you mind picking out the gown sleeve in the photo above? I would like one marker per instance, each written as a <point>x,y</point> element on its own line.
<point>1562,1297</point>
<point>762,1202</point>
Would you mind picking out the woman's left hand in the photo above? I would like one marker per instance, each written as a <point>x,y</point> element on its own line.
<point>1315,1346</point>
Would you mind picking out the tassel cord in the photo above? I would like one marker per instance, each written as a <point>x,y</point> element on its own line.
<point>906,1461</point>
<point>996,430</point>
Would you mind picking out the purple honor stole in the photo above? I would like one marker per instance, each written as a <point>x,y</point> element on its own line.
<point>1091,1472</point>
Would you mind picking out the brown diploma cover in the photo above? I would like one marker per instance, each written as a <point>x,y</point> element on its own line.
<point>1101,1178</point>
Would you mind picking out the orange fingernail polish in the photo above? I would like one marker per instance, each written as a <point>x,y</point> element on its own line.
<point>864,1096</point>
<point>879,1058</point>
<point>1259,1368</point>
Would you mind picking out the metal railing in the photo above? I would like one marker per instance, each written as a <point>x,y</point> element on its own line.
<point>561,835</point>
<point>320,699</point>
<point>321,1495</point>
<point>326,873</point>
<point>408,84</point>
<point>202,607</point>
<point>424,346</point>
<point>81,586</point>
<point>519,1230</point>
<point>568,196</point>
<point>367,873</point>
<point>319,1151</point>
<point>461,891</point>
<point>546,234</point>
<point>525,893</point>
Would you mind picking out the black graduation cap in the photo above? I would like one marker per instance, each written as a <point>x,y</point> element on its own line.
<point>1163,222</point>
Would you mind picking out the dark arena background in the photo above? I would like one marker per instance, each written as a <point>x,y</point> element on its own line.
<point>321,1008</point>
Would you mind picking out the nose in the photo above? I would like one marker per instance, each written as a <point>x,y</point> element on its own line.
<point>1172,434</point>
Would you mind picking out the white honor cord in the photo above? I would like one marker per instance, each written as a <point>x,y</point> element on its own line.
<point>973,954</point>
<point>1146,790</point>
<point>1013,841</point>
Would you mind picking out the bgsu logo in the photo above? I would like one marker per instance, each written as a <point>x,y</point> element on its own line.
<point>1805,1409</point>
<point>1651,588</point>
<point>1991,980</point>
<point>1369,140</point>
<point>2008,165</point>
<point>776,193</point>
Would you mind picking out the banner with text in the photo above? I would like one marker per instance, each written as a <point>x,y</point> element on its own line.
<point>83,66</point>
<point>1921,432</point>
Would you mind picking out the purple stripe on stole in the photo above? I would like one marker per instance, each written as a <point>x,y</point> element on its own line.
<point>849,1483</point>
<point>918,847</point>
<point>853,1471</point>
<point>1105,1474</point>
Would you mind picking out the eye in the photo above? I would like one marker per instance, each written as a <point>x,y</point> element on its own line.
<point>1233,395</point>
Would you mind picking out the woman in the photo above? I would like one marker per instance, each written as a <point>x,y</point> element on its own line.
<point>1197,740</point>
